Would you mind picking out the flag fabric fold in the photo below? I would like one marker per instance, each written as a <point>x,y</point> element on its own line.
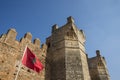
<point>30,60</point>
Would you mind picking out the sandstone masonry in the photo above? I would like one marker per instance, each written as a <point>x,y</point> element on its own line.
<point>63,56</point>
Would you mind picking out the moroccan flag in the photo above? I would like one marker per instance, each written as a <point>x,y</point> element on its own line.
<point>30,60</point>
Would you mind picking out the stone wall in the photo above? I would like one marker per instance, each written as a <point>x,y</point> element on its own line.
<point>11,52</point>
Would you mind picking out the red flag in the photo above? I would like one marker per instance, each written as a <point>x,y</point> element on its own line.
<point>30,60</point>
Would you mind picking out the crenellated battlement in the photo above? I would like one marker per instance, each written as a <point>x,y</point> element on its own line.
<point>11,51</point>
<point>10,39</point>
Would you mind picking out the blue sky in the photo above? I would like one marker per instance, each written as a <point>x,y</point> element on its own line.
<point>100,20</point>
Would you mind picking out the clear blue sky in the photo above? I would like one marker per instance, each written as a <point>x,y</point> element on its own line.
<point>100,20</point>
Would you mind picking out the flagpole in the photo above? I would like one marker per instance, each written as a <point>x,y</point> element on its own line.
<point>20,64</point>
<point>18,71</point>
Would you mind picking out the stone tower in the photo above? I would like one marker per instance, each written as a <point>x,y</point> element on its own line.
<point>98,68</point>
<point>66,55</point>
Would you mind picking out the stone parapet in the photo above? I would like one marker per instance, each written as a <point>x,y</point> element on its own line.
<point>11,51</point>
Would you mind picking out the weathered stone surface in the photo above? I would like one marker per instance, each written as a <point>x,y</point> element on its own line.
<point>63,56</point>
<point>67,57</point>
<point>11,52</point>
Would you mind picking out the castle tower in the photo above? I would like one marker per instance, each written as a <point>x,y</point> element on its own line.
<point>98,68</point>
<point>66,58</point>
